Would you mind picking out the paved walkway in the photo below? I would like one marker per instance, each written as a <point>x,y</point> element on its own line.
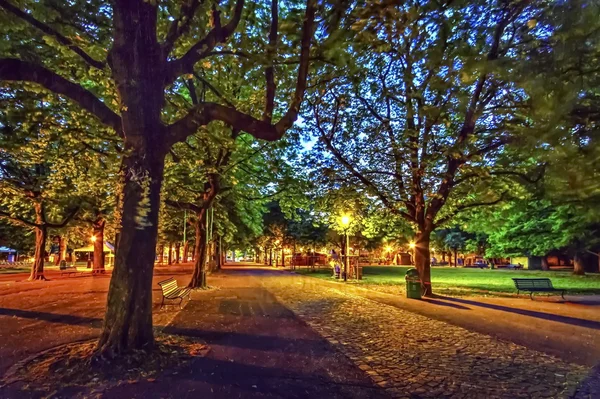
<point>39,315</point>
<point>277,334</point>
<point>411,355</point>
<point>568,330</point>
<point>258,349</point>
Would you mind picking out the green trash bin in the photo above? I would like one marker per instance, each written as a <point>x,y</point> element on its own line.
<point>413,284</point>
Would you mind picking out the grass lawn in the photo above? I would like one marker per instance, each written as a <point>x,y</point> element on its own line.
<point>17,269</point>
<point>463,281</point>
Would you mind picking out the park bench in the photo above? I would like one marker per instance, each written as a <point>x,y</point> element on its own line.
<point>536,285</point>
<point>171,290</point>
<point>68,270</point>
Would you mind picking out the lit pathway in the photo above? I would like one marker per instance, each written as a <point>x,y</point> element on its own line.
<point>415,356</point>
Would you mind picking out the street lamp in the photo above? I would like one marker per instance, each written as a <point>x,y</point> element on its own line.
<point>93,238</point>
<point>412,246</point>
<point>346,224</point>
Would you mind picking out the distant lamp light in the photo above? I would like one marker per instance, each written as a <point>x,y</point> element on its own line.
<point>388,249</point>
<point>412,245</point>
<point>345,220</point>
<point>93,238</point>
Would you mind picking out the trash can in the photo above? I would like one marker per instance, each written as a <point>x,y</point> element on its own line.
<point>413,284</point>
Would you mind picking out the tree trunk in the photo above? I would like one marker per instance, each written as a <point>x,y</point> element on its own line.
<point>177,252</point>
<point>37,269</point>
<point>578,265</point>
<point>199,275</point>
<point>282,258</point>
<point>186,250</point>
<point>41,235</point>
<point>98,227</point>
<point>161,254</point>
<point>218,257</point>
<point>271,257</point>
<point>455,257</point>
<point>170,254</point>
<point>60,255</point>
<point>265,260</point>
<point>423,261</point>
<point>545,265</point>
<point>128,320</point>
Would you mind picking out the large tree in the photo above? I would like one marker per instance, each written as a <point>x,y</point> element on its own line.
<point>423,127</point>
<point>35,180</point>
<point>127,55</point>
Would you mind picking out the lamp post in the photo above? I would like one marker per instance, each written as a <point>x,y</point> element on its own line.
<point>346,223</point>
<point>412,246</point>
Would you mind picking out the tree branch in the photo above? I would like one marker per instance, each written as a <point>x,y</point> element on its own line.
<point>66,220</point>
<point>17,219</point>
<point>204,47</point>
<point>183,205</point>
<point>52,32</point>
<point>16,70</point>
<point>463,207</point>
<point>270,71</point>
<point>207,112</point>
<point>180,25</point>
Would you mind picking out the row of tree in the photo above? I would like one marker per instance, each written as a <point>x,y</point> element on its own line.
<point>417,112</point>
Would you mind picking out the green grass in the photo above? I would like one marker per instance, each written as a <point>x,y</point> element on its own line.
<point>12,270</point>
<point>462,281</point>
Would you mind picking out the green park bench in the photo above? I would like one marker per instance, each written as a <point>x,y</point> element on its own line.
<point>170,290</point>
<point>536,285</point>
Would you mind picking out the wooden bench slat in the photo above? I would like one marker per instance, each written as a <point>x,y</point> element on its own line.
<point>171,290</point>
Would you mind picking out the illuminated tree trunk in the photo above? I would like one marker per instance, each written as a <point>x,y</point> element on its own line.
<point>41,235</point>
<point>199,275</point>
<point>161,254</point>
<point>98,227</point>
<point>578,265</point>
<point>37,269</point>
<point>61,250</point>
<point>423,260</point>
<point>177,252</point>
<point>186,250</point>
<point>545,265</point>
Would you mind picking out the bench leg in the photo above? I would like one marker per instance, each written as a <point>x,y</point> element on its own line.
<point>180,301</point>
<point>562,294</point>
<point>162,303</point>
<point>531,295</point>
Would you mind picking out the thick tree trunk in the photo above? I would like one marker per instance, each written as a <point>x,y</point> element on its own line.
<point>98,227</point>
<point>199,275</point>
<point>128,320</point>
<point>170,254</point>
<point>545,265</point>
<point>37,269</point>
<point>282,258</point>
<point>455,258</point>
<point>423,261</point>
<point>177,252</point>
<point>578,265</point>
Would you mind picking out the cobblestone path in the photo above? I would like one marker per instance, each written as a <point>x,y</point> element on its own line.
<point>412,356</point>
